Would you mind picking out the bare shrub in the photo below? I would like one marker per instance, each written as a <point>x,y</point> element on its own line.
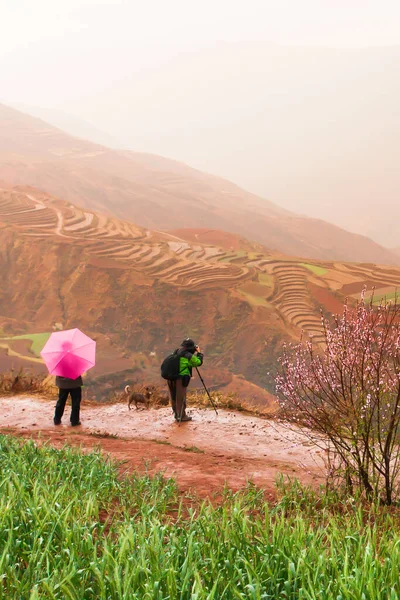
<point>229,401</point>
<point>22,381</point>
<point>349,394</point>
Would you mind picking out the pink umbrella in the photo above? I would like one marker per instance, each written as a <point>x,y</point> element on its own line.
<point>69,353</point>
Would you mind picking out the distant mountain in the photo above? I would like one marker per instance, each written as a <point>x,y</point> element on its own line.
<point>158,193</point>
<point>316,129</point>
<point>69,123</point>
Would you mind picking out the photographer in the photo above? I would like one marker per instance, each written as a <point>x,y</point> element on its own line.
<point>189,357</point>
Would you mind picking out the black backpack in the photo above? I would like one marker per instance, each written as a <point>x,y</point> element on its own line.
<point>170,368</point>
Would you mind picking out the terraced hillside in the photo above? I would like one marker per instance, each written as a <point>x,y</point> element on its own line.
<point>104,238</point>
<point>158,193</point>
<point>235,264</point>
<point>139,290</point>
<point>292,298</point>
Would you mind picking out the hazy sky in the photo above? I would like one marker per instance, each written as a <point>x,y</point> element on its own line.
<point>222,85</point>
<point>119,24</point>
<point>44,43</point>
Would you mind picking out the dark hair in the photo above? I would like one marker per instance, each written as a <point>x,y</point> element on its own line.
<point>188,343</point>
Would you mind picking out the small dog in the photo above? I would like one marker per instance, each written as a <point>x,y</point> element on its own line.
<point>137,398</point>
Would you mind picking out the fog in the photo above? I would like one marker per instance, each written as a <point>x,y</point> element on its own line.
<point>297,101</point>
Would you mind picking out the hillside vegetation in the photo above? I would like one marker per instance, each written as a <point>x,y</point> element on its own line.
<point>72,528</point>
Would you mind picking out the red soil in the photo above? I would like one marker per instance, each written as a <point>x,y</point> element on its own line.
<point>251,394</point>
<point>358,286</point>
<point>7,363</point>
<point>21,346</point>
<point>256,289</point>
<point>113,364</point>
<point>326,299</point>
<point>108,263</point>
<point>203,455</point>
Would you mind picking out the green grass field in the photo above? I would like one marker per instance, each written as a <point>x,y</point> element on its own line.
<point>266,279</point>
<point>254,300</point>
<point>233,255</point>
<point>71,528</point>
<point>38,341</point>
<point>314,269</point>
<point>378,298</point>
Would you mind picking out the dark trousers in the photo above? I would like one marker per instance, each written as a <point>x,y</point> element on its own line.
<point>76,396</point>
<point>177,392</point>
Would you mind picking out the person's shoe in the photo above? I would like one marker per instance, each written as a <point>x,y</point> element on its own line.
<point>76,424</point>
<point>184,419</point>
<point>56,422</point>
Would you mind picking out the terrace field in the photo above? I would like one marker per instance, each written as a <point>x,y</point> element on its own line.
<point>36,341</point>
<point>137,290</point>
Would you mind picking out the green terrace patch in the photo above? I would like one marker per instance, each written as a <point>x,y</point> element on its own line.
<point>255,256</point>
<point>256,292</point>
<point>314,269</point>
<point>38,341</point>
<point>266,279</point>
<point>252,299</point>
<point>378,298</point>
<point>228,257</point>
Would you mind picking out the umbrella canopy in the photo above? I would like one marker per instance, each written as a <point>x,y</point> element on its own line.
<point>69,353</point>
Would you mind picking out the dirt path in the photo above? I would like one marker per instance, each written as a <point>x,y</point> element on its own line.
<point>60,219</point>
<point>202,455</point>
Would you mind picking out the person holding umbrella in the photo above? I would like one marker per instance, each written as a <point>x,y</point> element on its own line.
<point>74,388</point>
<point>68,354</point>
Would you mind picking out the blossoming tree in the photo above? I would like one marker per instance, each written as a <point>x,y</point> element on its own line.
<point>348,392</point>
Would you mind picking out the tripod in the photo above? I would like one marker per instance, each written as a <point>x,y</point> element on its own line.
<point>208,393</point>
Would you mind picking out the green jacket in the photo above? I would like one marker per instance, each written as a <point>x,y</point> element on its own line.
<point>188,361</point>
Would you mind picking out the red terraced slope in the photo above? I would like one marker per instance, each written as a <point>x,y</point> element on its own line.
<point>141,289</point>
<point>39,216</point>
<point>158,193</point>
<point>63,264</point>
